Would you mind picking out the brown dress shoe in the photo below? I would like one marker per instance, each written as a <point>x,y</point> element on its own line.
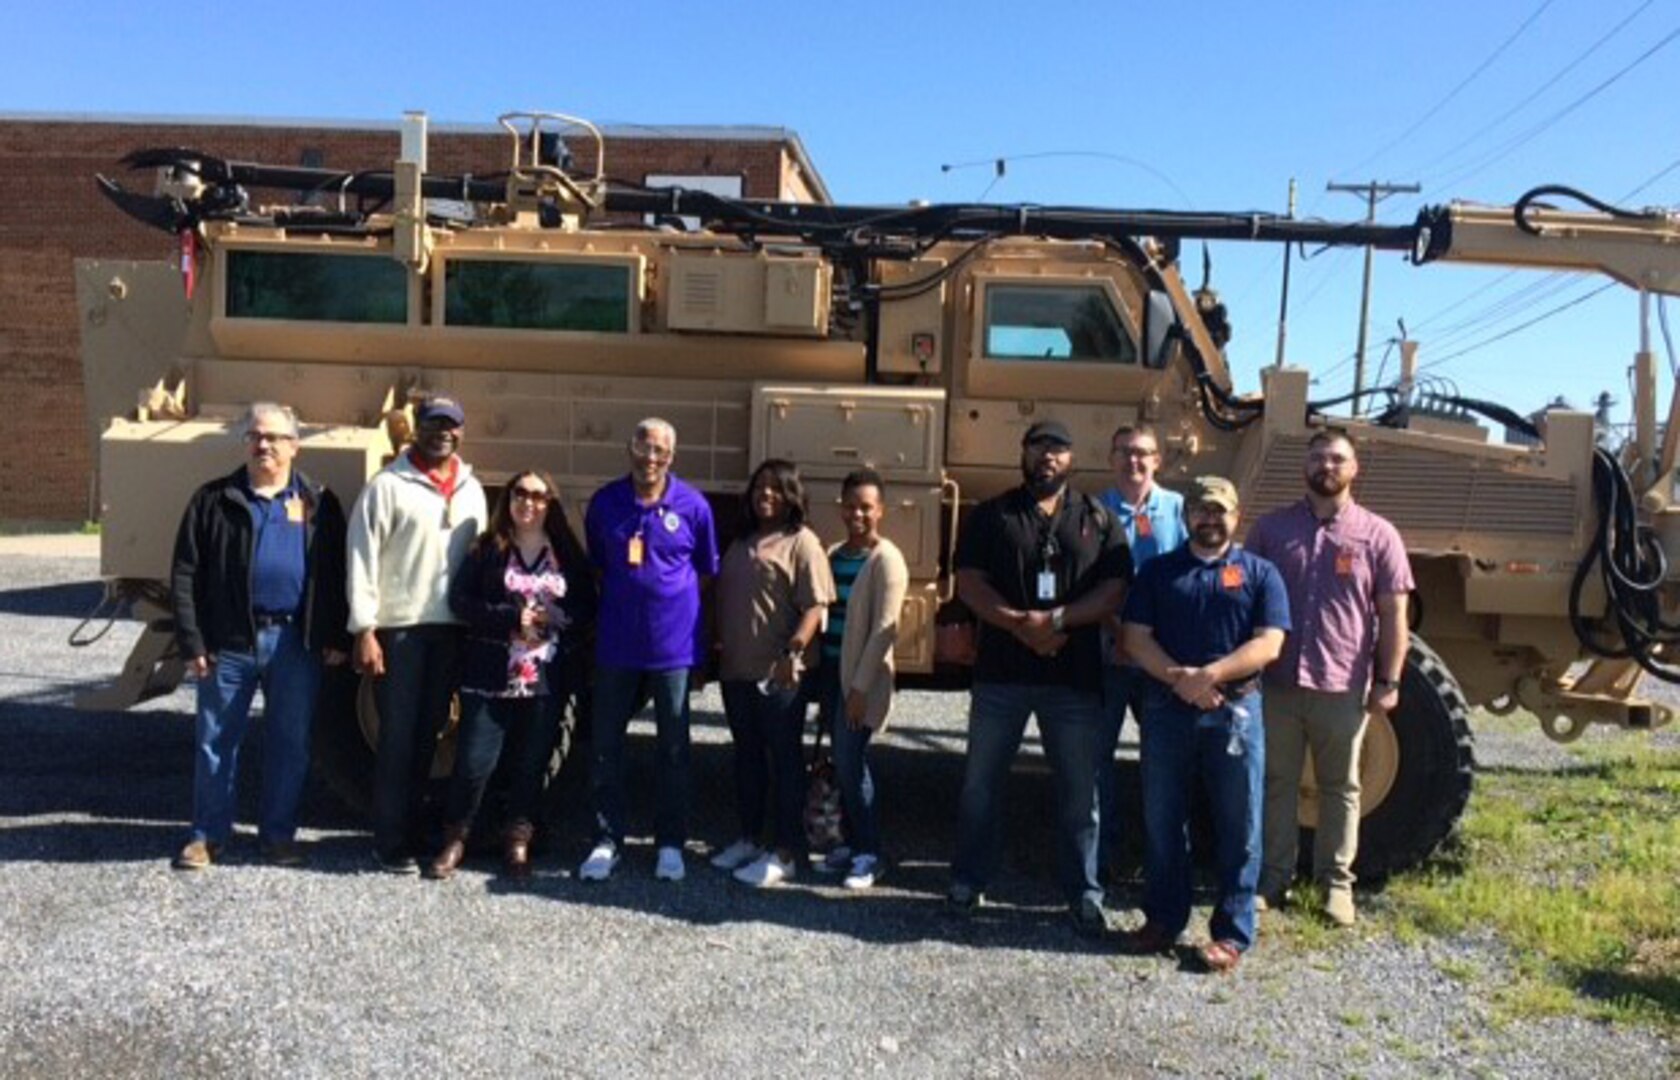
<point>197,855</point>
<point>516,848</point>
<point>450,855</point>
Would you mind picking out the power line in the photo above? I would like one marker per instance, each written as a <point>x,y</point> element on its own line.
<point>1518,141</point>
<point>1557,77</point>
<point>1542,317</point>
<point>1456,90</point>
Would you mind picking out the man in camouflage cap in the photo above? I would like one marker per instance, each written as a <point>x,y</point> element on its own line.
<point>1203,621</point>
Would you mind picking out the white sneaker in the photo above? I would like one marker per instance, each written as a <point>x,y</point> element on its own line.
<point>669,865</point>
<point>864,870</point>
<point>602,859</point>
<point>837,861</point>
<point>766,873</point>
<point>737,855</point>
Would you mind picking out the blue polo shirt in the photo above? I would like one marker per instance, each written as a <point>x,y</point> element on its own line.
<point>650,613</point>
<point>279,549</point>
<point>1153,529</point>
<point>1202,610</point>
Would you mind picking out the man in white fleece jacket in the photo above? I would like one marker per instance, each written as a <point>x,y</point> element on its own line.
<point>409,531</point>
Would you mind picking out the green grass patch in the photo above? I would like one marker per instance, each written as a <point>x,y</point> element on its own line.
<point>1577,871</point>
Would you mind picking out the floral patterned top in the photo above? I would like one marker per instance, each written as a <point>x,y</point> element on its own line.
<point>540,583</point>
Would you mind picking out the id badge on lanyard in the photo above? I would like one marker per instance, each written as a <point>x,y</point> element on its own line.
<point>1047,591</point>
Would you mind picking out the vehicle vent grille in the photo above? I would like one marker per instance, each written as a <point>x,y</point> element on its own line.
<point>702,292</point>
<point>1424,491</point>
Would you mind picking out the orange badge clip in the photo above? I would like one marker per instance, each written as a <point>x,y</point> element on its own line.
<point>634,555</point>
<point>1344,563</point>
<point>1144,528</point>
<point>1231,576</point>
<point>294,510</point>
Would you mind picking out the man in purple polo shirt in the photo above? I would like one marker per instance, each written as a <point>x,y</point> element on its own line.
<point>651,535</point>
<point>1347,576</point>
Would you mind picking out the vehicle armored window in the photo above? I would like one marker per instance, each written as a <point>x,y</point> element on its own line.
<point>316,287</point>
<point>514,294</point>
<point>1055,322</point>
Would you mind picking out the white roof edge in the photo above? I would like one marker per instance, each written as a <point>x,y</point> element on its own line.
<point>743,132</point>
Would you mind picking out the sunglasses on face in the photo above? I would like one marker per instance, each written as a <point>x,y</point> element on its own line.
<point>530,495</point>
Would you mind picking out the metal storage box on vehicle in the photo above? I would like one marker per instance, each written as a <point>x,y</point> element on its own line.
<point>149,469</point>
<point>829,431</point>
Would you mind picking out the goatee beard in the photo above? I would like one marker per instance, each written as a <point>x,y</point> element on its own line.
<point>1043,489</point>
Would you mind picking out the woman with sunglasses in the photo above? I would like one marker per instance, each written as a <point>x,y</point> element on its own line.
<point>772,589</point>
<point>523,592</point>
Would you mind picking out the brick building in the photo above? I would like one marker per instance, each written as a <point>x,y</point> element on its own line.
<point>51,213</point>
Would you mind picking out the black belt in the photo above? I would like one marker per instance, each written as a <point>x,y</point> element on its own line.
<point>1241,688</point>
<point>266,622</point>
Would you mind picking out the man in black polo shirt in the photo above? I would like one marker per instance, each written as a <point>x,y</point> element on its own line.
<point>1041,566</point>
<point>258,579</point>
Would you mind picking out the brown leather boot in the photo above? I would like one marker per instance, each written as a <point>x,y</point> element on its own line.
<point>450,855</point>
<point>516,848</point>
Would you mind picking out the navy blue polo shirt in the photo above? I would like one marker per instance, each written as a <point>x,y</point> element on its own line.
<point>279,558</point>
<point>1202,610</point>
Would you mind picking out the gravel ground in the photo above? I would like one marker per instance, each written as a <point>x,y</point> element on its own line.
<point>123,967</point>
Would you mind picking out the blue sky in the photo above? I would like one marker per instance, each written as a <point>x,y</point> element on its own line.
<point>1113,104</point>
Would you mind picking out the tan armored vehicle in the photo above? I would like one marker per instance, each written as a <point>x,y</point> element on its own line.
<point>920,340</point>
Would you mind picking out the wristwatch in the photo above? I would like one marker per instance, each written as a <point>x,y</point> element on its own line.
<point>1056,617</point>
<point>1385,684</point>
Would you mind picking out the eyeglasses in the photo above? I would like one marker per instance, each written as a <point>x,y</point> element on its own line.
<point>1134,452</point>
<point>530,495</point>
<point>651,451</point>
<point>263,438</point>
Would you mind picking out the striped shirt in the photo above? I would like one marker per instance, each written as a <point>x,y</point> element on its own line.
<point>845,564</point>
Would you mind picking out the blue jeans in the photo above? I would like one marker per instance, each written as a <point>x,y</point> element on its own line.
<point>851,763</point>
<point>487,725</point>
<point>619,693</point>
<point>768,731</point>
<point>1070,723</point>
<point>291,681</point>
<point>1228,753</point>
<point>422,670</point>
<point>1123,690</point>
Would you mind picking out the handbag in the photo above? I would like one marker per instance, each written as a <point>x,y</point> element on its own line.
<point>824,819</point>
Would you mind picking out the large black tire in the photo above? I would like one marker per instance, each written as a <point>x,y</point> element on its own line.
<point>343,753</point>
<point>1432,777</point>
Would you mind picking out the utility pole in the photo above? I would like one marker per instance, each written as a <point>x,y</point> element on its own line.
<point>1374,193</point>
<point>1283,299</point>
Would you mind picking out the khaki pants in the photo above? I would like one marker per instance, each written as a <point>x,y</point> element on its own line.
<point>1332,727</point>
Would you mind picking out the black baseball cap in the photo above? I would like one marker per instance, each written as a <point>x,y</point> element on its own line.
<point>1049,431</point>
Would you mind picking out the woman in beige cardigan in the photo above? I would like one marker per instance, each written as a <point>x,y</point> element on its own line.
<point>871,579</point>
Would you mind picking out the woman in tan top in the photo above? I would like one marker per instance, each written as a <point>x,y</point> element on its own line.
<point>772,589</point>
<point>857,673</point>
